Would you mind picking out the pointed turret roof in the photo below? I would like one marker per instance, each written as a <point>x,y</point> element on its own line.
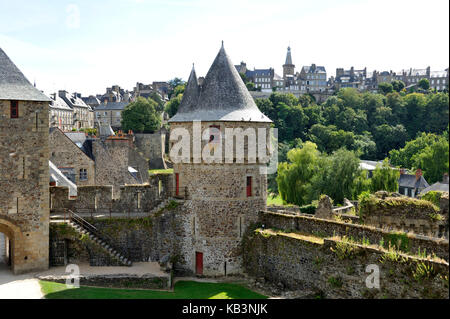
<point>288,56</point>
<point>191,93</point>
<point>223,96</point>
<point>14,85</point>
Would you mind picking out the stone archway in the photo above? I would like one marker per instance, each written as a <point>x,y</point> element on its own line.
<point>12,235</point>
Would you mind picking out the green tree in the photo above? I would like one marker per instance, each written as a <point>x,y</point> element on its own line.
<point>384,178</point>
<point>336,175</point>
<point>388,137</point>
<point>141,116</point>
<point>385,88</point>
<point>433,160</point>
<point>157,98</point>
<point>294,177</point>
<point>424,84</point>
<point>398,85</point>
<point>172,106</point>
<point>361,183</point>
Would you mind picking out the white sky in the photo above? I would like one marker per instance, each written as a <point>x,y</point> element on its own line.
<point>86,46</point>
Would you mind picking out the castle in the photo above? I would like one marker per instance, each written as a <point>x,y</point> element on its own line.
<point>223,197</point>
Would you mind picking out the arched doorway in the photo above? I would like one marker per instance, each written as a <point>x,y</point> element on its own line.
<point>8,234</point>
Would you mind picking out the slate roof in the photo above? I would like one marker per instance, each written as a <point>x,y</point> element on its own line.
<point>223,96</point>
<point>288,57</point>
<point>408,180</point>
<point>61,180</point>
<point>439,186</point>
<point>14,85</point>
<point>316,69</point>
<point>59,103</point>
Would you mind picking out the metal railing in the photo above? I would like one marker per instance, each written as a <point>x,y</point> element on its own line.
<point>80,221</point>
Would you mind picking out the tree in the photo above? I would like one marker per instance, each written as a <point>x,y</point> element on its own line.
<point>384,178</point>
<point>157,98</point>
<point>433,160</point>
<point>336,175</point>
<point>294,177</point>
<point>141,116</point>
<point>173,84</point>
<point>398,85</point>
<point>424,84</point>
<point>172,106</point>
<point>388,137</point>
<point>385,88</point>
<point>250,86</point>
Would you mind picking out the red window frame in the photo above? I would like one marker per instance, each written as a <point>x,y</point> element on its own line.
<point>249,186</point>
<point>14,109</point>
<point>177,184</point>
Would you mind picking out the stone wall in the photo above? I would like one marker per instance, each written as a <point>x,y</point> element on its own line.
<point>2,248</point>
<point>111,163</point>
<point>153,148</point>
<point>24,179</point>
<point>329,228</point>
<point>403,213</point>
<point>132,198</point>
<point>330,269</point>
<point>65,154</point>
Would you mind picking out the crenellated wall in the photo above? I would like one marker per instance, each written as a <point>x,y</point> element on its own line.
<point>101,199</point>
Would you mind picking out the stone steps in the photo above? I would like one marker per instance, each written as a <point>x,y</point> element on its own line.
<point>111,251</point>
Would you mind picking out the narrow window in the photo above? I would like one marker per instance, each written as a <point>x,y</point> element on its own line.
<point>14,109</point>
<point>83,174</point>
<point>177,184</point>
<point>249,186</point>
<point>139,200</point>
<point>37,119</point>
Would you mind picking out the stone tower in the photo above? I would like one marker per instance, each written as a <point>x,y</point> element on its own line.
<point>222,196</point>
<point>288,67</point>
<point>24,169</point>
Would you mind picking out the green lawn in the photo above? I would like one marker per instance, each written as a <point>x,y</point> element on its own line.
<point>183,290</point>
<point>160,171</point>
<point>274,201</point>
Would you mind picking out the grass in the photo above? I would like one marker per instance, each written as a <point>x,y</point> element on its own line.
<point>160,171</point>
<point>182,290</point>
<point>274,201</point>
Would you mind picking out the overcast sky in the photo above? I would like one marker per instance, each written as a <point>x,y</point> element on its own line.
<point>85,46</point>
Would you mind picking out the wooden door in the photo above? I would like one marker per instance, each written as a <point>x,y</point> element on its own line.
<point>199,263</point>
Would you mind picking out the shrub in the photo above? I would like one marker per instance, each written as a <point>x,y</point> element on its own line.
<point>308,209</point>
<point>433,196</point>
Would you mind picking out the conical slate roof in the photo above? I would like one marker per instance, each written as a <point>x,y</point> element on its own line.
<point>191,94</point>
<point>223,96</point>
<point>288,57</point>
<point>14,85</point>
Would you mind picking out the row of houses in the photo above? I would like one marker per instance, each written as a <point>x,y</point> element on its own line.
<point>312,79</point>
<point>69,111</point>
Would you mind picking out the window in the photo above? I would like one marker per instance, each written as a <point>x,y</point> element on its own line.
<point>214,133</point>
<point>249,186</point>
<point>14,109</point>
<point>83,174</point>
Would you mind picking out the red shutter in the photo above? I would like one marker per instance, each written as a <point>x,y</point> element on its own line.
<point>199,263</point>
<point>249,186</point>
<point>177,184</point>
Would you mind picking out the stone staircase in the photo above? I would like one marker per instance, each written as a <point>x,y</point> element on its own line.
<point>95,238</point>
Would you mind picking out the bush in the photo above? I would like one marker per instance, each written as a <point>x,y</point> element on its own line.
<point>433,196</point>
<point>308,209</point>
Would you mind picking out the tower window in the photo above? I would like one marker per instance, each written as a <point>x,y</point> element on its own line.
<point>249,186</point>
<point>14,109</point>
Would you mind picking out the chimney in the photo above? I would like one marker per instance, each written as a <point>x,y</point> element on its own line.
<point>445,179</point>
<point>418,174</point>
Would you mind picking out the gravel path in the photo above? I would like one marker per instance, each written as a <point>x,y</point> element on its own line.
<point>18,286</point>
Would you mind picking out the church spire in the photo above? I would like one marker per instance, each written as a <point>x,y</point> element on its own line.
<point>288,56</point>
